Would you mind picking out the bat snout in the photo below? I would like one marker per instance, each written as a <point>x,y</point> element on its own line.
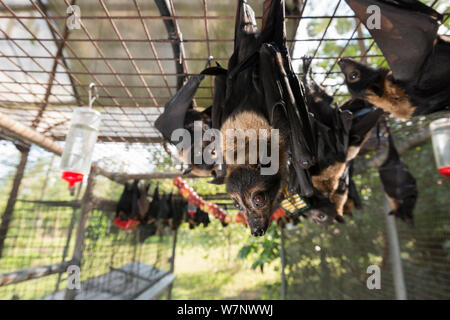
<point>258,232</point>
<point>343,62</point>
<point>347,65</point>
<point>258,226</point>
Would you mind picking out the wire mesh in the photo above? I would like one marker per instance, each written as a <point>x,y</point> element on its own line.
<point>125,48</point>
<point>36,237</point>
<point>333,263</point>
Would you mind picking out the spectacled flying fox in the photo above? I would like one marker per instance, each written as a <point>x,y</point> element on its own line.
<point>418,82</point>
<point>180,113</point>
<point>341,132</point>
<point>259,90</point>
<point>399,185</point>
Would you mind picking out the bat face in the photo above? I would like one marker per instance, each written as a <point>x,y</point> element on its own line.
<point>362,79</point>
<point>323,211</point>
<point>256,195</point>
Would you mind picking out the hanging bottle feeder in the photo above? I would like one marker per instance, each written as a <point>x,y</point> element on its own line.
<point>440,136</point>
<point>80,141</point>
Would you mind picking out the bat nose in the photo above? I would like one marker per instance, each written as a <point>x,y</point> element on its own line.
<point>258,232</point>
<point>343,62</point>
<point>257,226</point>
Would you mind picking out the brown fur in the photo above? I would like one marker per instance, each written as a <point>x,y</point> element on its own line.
<point>248,195</point>
<point>339,200</point>
<point>244,121</point>
<point>353,151</point>
<point>328,180</point>
<point>394,100</point>
<point>348,206</point>
<point>394,204</point>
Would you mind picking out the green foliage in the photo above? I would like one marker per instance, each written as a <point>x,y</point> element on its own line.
<point>263,250</point>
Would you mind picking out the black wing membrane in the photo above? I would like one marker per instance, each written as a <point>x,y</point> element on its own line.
<point>406,35</point>
<point>353,193</point>
<point>284,95</point>
<point>281,104</point>
<point>399,185</point>
<point>177,107</point>
<point>123,208</point>
<point>332,124</point>
<point>365,118</point>
<point>260,78</point>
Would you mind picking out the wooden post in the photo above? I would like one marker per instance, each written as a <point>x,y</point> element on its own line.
<point>86,206</point>
<point>31,273</point>
<point>8,213</point>
<point>283,264</point>
<point>394,250</point>
<point>172,262</point>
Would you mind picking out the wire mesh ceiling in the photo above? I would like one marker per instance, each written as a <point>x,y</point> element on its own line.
<point>138,52</point>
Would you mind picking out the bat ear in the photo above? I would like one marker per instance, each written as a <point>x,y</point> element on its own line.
<point>219,173</point>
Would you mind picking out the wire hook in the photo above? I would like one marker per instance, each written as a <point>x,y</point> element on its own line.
<point>92,87</point>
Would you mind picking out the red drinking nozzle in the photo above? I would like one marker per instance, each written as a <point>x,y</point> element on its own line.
<point>72,177</point>
<point>445,171</point>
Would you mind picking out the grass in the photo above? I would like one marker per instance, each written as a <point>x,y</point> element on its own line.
<point>209,274</point>
<point>206,263</point>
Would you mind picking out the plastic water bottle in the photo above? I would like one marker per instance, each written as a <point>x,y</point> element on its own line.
<point>440,136</point>
<point>80,141</point>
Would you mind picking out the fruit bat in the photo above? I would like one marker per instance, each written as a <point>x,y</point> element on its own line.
<point>127,207</point>
<point>164,209</point>
<point>199,217</point>
<point>340,133</point>
<point>365,117</point>
<point>353,199</point>
<point>347,193</point>
<point>179,113</point>
<point>332,127</point>
<point>261,91</point>
<point>142,202</point>
<point>398,184</point>
<point>178,209</point>
<point>419,59</point>
<point>153,208</point>
<point>258,91</point>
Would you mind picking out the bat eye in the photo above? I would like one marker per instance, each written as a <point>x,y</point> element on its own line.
<point>237,205</point>
<point>321,217</point>
<point>354,76</point>
<point>259,199</point>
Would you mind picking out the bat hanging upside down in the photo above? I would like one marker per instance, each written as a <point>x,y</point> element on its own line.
<point>260,93</point>
<point>418,82</point>
<point>398,184</point>
<point>341,132</point>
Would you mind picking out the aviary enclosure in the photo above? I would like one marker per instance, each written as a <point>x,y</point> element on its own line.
<point>138,54</point>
